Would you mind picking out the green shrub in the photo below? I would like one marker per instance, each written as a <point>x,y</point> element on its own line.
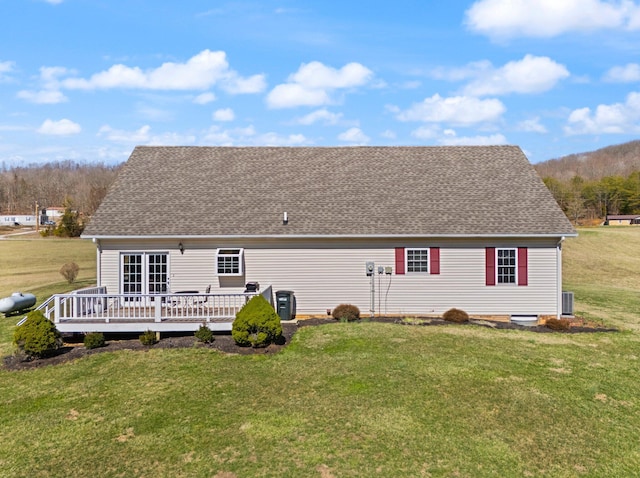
<point>204,334</point>
<point>70,271</point>
<point>456,315</point>
<point>256,324</point>
<point>558,324</point>
<point>37,336</point>
<point>346,312</point>
<point>94,340</point>
<point>148,338</point>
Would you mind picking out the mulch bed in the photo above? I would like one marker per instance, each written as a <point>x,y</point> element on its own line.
<point>73,347</point>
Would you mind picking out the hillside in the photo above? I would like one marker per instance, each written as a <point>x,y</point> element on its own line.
<point>618,160</point>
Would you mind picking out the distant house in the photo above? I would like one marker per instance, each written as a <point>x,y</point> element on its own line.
<point>623,219</point>
<point>393,230</point>
<point>54,213</point>
<point>17,220</point>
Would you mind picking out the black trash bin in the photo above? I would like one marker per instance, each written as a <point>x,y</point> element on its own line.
<point>286,304</point>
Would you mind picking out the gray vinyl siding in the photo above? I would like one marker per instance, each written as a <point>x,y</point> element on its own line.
<point>323,274</point>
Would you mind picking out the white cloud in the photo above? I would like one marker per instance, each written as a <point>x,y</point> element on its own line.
<point>449,137</point>
<point>224,114</point>
<point>291,95</point>
<point>143,136</point>
<point>248,137</point>
<point>455,110</point>
<point>629,73</point>
<point>532,125</point>
<point>54,2</point>
<point>275,139</point>
<point>317,75</point>
<point>312,84</point>
<point>200,72</point>
<point>236,85</point>
<point>427,132</point>
<point>532,74</point>
<point>501,19</point>
<point>43,97</point>
<point>389,134</point>
<point>453,140</point>
<point>204,98</point>
<point>215,135</point>
<point>354,136</point>
<point>616,118</point>
<point>63,127</point>
<point>120,136</point>
<point>323,115</point>
<point>6,67</point>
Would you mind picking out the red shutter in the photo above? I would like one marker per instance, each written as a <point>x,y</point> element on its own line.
<point>523,275</point>
<point>434,258</point>
<point>399,260</point>
<point>490,265</point>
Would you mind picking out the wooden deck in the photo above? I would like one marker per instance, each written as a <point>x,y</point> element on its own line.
<point>93,310</point>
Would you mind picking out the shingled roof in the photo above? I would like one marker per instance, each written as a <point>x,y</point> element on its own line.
<point>328,191</point>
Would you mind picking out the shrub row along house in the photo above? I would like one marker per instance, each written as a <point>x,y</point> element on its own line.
<point>434,227</point>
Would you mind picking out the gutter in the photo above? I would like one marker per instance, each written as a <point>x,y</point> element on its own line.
<point>561,235</point>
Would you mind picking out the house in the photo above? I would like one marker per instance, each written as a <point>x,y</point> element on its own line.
<point>622,219</point>
<point>17,220</point>
<point>393,230</point>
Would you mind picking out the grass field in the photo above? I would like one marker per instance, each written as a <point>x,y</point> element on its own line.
<point>353,399</point>
<point>602,267</point>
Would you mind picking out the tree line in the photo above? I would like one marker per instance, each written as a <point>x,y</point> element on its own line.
<point>582,199</point>
<point>57,184</point>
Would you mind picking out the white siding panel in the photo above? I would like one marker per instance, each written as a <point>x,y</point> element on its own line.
<point>323,274</point>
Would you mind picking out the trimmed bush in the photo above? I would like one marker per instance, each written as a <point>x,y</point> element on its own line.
<point>70,271</point>
<point>346,313</point>
<point>558,324</point>
<point>204,334</point>
<point>94,340</point>
<point>148,338</point>
<point>456,315</point>
<point>37,336</point>
<point>256,324</point>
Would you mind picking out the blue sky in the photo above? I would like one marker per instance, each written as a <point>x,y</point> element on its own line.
<point>88,80</point>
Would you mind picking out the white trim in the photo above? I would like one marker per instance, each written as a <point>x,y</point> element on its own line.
<point>406,260</point>
<point>515,269</point>
<point>226,252</point>
<point>145,269</point>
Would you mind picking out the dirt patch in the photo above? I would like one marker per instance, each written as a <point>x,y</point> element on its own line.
<point>74,349</point>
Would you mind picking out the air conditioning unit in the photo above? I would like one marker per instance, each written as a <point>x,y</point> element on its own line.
<point>567,303</point>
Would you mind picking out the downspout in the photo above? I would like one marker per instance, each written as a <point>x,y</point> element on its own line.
<point>98,261</point>
<point>559,278</point>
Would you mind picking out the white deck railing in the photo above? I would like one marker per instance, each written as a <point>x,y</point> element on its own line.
<point>97,307</point>
<point>93,309</point>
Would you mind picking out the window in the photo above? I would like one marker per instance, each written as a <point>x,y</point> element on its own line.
<point>418,260</point>
<point>506,266</point>
<point>230,262</point>
<point>425,260</point>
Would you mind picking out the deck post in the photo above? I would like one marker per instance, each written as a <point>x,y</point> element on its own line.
<point>56,310</point>
<point>157,305</point>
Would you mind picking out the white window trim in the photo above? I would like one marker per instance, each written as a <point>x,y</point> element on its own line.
<point>515,277</point>
<point>239,254</point>
<point>406,260</point>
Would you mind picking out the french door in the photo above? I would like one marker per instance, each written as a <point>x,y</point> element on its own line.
<point>144,273</point>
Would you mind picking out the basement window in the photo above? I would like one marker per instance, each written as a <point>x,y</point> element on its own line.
<point>230,262</point>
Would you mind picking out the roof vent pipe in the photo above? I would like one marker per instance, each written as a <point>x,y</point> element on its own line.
<point>285,218</point>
